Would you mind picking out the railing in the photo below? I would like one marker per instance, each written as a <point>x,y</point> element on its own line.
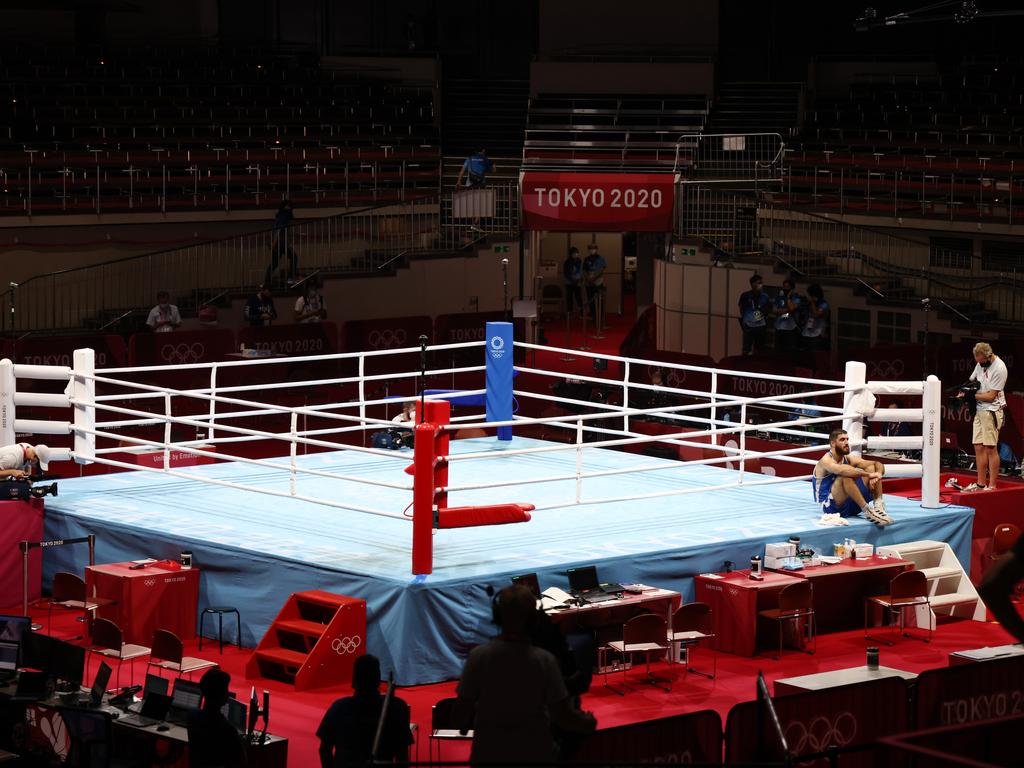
<point>364,241</point>
<point>819,247</point>
<point>753,158</point>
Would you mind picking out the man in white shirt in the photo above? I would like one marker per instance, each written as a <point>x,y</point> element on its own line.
<point>16,461</point>
<point>310,307</point>
<point>990,373</point>
<point>164,316</point>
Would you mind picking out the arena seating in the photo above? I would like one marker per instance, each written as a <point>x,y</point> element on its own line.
<point>190,129</point>
<point>945,146</point>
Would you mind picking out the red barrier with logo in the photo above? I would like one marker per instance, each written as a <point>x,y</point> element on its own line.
<point>683,739</point>
<point>59,350</point>
<point>599,202</point>
<point>969,693</point>
<point>292,340</point>
<point>844,716</point>
<point>389,333</point>
<point>181,347</point>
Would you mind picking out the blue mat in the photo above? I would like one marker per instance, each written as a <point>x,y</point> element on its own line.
<point>255,550</point>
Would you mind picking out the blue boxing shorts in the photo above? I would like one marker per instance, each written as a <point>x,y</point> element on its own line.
<point>849,507</point>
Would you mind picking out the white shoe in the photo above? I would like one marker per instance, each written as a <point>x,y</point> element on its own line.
<point>877,516</point>
<point>973,487</point>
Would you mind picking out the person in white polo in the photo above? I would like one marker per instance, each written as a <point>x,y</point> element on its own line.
<point>990,373</point>
<point>16,461</point>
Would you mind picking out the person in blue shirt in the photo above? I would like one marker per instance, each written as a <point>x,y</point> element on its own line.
<point>786,306</point>
<point>815,334</point>
<point>259,310</point>
<point>593,277</point>
<point>475,168</point>
<point>572,274</point>
<point>754,307</point>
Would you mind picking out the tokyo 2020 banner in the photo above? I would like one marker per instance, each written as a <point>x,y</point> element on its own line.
<point>599,202</point>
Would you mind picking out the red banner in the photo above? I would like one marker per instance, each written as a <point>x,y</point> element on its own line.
<point>972,692</point>
<point>293,340</point>
<point>599,202</point>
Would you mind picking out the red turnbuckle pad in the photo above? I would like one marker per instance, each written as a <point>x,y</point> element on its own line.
<point>487,514</point>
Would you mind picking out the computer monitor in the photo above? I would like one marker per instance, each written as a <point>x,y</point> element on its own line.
<point>61,659</point>
<point>235,712</point>
<point>8,659</point>
<point>13,629</point>
<point>155,684</point>
<point>99,683</point>
<point>528,580</point>
<point>583,578</point>
<point>187,695</point>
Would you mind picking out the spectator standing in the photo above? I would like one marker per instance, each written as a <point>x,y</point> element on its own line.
<point>511,692</point>
<point>572,275</point>
<point>310,306</point>
<point>786,306</point>
<point>475,168</point>
<point>349,726</point>
<point>990,373</point>
<point>259,310</point>
<point>754,307</point>
<point>815,334</point>
<point>212,741</point>
<point>593,277</point>
<point>164,316</point>
<point>281,246</point>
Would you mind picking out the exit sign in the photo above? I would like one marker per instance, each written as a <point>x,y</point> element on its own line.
<point>502,248</point>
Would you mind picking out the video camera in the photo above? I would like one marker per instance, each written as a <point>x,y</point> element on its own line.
<point>964,395</point>
<point>23,489</point>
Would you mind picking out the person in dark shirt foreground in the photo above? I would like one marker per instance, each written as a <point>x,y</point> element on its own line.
<point>212,741</point>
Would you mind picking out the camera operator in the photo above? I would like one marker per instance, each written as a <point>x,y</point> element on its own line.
<point>990,373</point>
<point>16,461</point>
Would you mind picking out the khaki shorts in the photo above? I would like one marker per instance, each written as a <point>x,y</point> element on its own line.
<point>986,427</point>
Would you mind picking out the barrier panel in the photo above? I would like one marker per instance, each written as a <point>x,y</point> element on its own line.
<point>181,347</point>
<point>292,340</point>
<point>59,350</point>
<point>695,737</point>
<point>990,743</point>
<point>969,693</point>
<point>844,716</point>
<point>23,521</point>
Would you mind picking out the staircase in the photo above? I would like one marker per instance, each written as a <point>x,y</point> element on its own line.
<point>488,114</point>
<point>757,108</point>
<point>950,590</point>
<point>313,642</point>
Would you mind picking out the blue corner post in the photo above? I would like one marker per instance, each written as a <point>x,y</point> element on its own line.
<point>499,375</point>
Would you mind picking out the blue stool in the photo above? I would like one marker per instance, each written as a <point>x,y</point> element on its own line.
<point>220,610</point>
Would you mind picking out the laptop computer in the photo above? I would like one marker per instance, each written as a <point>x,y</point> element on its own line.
<point>530,581</point>
<point>90,698</point>
<point>9,660</point>
<point>32,686</point>
<point>154,710</point>
<point>185,700</point>
<point>154,684</point>
<point>584,584</point>
<point>236,712</point>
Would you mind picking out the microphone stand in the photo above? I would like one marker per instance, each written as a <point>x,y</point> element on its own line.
<point>504,282</point>
<point>926,305</point>
<point>423,378</point>
<point>383,716</point>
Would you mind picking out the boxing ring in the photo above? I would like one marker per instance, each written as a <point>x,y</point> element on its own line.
<point>344,517</point>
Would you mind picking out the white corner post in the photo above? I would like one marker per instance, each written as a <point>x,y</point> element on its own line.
<point>931,431</point>
<point>7,435</point>
<point>854,383</point>
<point>83,397</point>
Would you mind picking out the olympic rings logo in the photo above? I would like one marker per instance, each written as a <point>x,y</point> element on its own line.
<point>885,369</point>
<point>183,353</point>
<point>149,582</point>
<point>670,377</point>
<point>387,339</point>
<point>821,733</point>
<point>497,347</point>
<point>346,645</point>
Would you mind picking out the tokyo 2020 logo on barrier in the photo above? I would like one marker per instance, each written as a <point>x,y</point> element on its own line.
<point>389,338</point>
<point>346,645</point>
<point>178,354</point>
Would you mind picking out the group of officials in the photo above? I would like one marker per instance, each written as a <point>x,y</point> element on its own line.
<point>799,321</point>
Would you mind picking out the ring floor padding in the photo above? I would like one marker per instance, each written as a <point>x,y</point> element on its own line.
<point>254,550</point>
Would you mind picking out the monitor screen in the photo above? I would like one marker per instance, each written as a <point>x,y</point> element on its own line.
<point>63,660</point>
<point>13,629</point>
<point>8,658</point>
<point>187,695</point>
<point>154,684</point>
<point>528,580</point>
<point>99,683</point>
<point>235,712</point>
<point>583,578</point>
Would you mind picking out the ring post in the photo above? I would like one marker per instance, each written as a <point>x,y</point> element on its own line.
<point>931,430</point>
<point>83,393</point>
<point>7,389</point>
<point>856,378</point>
<point>430,443</point>
<point>499,365</point>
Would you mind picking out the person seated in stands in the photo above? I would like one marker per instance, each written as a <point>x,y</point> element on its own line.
<point>842,482</point>
<point>164,316</point>
<point>212,741</point>
<point>511,692</point>
<point>310,306</point>
<point>259,310</point>
<point>896,428</point>
<point>349,726</point>
<point>815,333</point>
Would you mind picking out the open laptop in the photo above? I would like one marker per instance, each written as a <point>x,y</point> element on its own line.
<point>154,684</point>
<point>584,584</point>
<point>9,660</point>
<point>32,686</point>
<point>185,700</point>
<point>92,697</point>
<point>154,710</point>
<point>236,712</point>
<point>530,581</point>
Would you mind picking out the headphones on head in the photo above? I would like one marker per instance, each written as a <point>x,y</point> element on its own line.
<point>496,611</point>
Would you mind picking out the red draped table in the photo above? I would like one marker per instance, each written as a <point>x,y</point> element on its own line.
<point>158,596</point>
<point>22,521</point>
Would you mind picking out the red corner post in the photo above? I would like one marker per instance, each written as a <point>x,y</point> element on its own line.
<point>431,472</point>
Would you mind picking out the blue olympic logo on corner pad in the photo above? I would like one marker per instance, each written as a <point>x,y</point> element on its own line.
<point>497,345</point>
